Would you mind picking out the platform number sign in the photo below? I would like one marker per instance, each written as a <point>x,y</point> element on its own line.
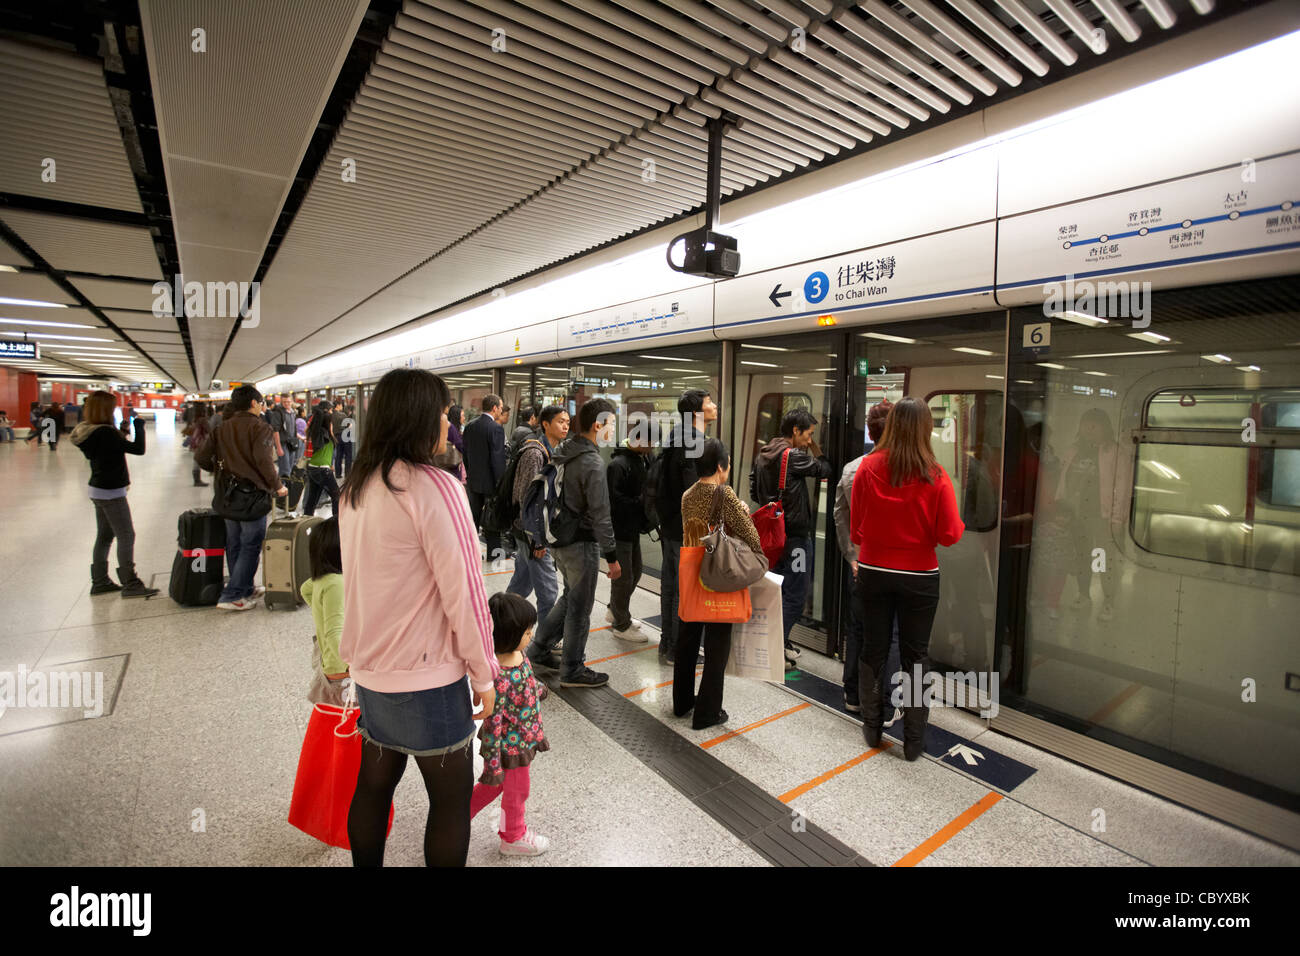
<point>1038,338</point>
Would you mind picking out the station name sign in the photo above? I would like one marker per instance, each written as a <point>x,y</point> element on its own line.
<point>20,350</point>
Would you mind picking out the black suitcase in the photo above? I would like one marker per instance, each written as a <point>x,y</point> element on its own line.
<point>198,570</point>
<point>295,484</point>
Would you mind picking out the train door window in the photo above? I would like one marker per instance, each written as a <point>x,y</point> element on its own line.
<point>774,377</point>
<point>518,394</point>
<point>1164,561</point>
<point>967,441</point>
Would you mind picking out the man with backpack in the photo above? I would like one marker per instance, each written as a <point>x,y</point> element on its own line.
<point>283,422</point>
<point>669,477</point>
<point>795,451</point>
<point>567,507</point>
<point>534,568</point>
<point>626,474</point>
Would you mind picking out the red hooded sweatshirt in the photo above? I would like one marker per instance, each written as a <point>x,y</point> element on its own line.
<point>899,528</point>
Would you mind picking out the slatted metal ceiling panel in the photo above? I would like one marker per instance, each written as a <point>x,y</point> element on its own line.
<point>85,245</point>
<point>479,165</point>
<point>234,122</point>
<point>55,105</point>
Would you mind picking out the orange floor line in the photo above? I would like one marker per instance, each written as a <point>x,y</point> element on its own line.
<point>1115,703</point>
<point>749,727</point>
<point>488,574</point>
<point>950,830</point>
<point>642,690</point>
<point>639,650</point>
<point>829,774</point>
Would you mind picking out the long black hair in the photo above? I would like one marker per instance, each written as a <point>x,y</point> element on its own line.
<point>318,429</point>
<point>403,423</point>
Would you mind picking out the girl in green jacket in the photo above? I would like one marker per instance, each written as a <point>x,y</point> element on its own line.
<point>323,593</point>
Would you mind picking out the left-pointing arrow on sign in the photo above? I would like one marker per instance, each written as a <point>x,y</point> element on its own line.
<point>777,295</point>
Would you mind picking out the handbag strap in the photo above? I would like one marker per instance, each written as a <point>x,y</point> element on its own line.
<point>785,463</point>
<point>715,512</point>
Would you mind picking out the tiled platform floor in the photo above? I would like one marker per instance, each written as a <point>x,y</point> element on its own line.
<point>210,714</point>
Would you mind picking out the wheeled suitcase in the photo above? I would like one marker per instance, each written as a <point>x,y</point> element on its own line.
<point>198,570</point>
<point>286,562</point>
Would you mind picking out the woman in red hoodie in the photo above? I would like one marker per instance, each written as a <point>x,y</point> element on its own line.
<point>903,506</point>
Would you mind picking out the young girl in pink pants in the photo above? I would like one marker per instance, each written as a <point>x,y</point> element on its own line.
<point>513,734</point>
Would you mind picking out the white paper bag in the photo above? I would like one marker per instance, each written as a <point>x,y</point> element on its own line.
<point>758,645</point>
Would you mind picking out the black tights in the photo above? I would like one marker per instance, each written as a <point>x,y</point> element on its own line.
<point>449,781</point>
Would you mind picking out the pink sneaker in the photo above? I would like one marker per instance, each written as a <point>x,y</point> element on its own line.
<point>530,844</point>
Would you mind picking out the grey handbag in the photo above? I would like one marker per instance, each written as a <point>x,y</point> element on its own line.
<point>728,563</point>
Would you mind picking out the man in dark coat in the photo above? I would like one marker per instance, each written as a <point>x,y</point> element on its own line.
<point>485,463</point>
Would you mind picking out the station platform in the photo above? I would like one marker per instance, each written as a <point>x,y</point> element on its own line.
<point>206,711</point>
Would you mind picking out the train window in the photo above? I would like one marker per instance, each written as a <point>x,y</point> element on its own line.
<point>1224,408</point>
<point>1233,505</point>
<point>967,440</point>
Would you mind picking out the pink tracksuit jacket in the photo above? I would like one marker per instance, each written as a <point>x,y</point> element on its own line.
<point>415,610</point>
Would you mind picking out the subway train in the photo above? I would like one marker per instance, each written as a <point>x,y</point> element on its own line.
<point>1112,360</point>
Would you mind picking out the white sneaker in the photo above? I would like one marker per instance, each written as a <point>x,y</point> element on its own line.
<point>792,654</point>
<point>530,844</point>
<point>258,590</point>
<point>244,604</point>
<point>632,633</point>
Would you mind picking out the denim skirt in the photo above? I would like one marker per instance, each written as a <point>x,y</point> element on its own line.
<point>422,723</point>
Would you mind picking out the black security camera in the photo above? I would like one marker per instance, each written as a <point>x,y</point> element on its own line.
<point>708,253</point>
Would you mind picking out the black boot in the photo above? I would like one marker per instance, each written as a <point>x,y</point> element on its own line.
<point>873,706</point>
<point>198,481</point>
<point>132,586</point>
<point>100,582</point>
<point>914,723</point>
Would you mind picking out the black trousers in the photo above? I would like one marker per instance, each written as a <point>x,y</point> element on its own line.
<point>717,648</point>
<point>914,598</point>
<point>496,545</point>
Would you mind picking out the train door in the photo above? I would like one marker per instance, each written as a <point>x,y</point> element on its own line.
<point>956,365</point>
<point>772,378</point>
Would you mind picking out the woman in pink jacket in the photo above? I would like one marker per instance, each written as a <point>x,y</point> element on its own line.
<point>417,635</point>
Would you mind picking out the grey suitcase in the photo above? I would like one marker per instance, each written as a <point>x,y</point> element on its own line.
<point>286,562</point>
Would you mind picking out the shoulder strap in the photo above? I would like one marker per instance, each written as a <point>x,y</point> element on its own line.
<point>715,513</point>
<point>785,463</point>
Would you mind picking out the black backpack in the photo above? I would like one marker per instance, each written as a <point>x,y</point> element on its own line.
<point>654,495</point>
<point>499,512</point>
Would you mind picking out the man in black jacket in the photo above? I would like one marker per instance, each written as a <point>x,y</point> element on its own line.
<point>681,451</point>
<point>805,461</point>
<point>527,428</point>
<point>485,463</point>
<point>626,475</point>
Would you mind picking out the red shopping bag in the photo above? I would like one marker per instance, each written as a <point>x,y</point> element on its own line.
<point>327,776</point>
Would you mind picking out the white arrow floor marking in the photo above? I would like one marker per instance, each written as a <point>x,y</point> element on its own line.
<point>966,753</point>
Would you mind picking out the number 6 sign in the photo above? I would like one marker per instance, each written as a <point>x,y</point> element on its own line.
<point>1038,337</point>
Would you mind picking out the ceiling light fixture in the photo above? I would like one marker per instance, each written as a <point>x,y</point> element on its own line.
<point>766,348</point>
<point>971,351</point>
<point>1082,318</point>
<point>763,364</point>
<point>60,325</point>
<point>42,336</point>
<point>889,338</point>
<point>1154,337</point>
<point>1218,358</point>
<point>34,303</point>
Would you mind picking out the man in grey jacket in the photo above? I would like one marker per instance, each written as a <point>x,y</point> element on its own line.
<point>586,494</point>
<point>534,568</point>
